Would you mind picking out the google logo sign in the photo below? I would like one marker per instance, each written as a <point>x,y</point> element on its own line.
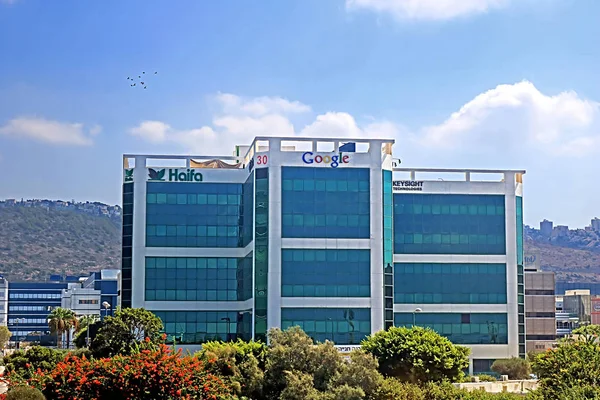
<point>333,160</point>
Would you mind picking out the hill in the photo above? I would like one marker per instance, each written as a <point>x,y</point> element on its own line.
<point>38,241</point>
<point>574,255</point>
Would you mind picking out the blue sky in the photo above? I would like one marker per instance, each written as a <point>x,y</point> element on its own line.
<point>458,83</point>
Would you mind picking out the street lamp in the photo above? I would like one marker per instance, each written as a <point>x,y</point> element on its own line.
<point>106,306</point>
<point>228,326</point>
<point>417,310</point>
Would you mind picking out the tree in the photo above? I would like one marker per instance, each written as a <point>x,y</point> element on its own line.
<point>294,350</point>
<point>25,363</point>
<point>4,336</point>
<point>572,367</point>
<point>240,363</point>
<point>416,354</point>
<point>515,368</point>
<point>587,330</point>
<point>24,393</point>
<point>62,320</point>
<point>87,320</point>
<point>125,331</point>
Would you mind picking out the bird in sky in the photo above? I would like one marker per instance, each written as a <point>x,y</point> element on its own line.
<point>143,83</point>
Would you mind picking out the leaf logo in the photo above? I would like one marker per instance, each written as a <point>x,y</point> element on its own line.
<point>129,175</point>
<point>155,175</point>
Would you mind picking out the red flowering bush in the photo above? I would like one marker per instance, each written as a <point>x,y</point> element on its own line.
<point>159,374</point>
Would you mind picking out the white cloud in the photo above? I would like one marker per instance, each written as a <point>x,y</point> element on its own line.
<point>520,115</point>
<point>44,130</point>
<point>427,9</point>
<point>240,120</point>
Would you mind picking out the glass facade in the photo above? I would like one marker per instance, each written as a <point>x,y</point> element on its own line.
<point>441,283</point>
<point>325,273</point>
<point>449,224</point>
<point>203,326</point>
<point>198,279</point>
<point>474,328</point>
<point>341,325</point>
<point>194,215</point>
<point>325,202</point>
<point>126,243</point>
<point>261,253</point>
<point>388,249</point>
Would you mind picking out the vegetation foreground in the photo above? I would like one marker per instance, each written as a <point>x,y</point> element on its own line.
<point>128,359</point>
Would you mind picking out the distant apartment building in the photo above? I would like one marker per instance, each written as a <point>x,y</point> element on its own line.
<point>560,231</point>
<point>595,225</point>
<point>546,227</point>
<point>540,309</point>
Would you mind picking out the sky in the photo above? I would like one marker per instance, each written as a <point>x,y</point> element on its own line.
<point>499,84</point>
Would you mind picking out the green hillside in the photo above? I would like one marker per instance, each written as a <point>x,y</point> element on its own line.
<point>36,242</point>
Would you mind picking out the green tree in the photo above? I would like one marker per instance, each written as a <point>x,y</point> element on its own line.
<point>4,336</point>
<point>294,350</point>
<point>240,363</point>
<point>574,365</point>
<point>126,331</point>
<point>515,368</point>
<point>60,321</point>
<point>299,386</point>
<point>587,330</point>
<point>417,354</point>
<point>25,363</point>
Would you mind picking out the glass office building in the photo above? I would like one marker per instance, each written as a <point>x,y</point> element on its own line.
<point>328,235</point>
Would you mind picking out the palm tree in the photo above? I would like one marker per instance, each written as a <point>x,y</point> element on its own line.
<point>87,320</point>
<point>61,320</point>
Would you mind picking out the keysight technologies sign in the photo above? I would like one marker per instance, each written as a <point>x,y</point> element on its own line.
<point>174,175</point>
<point>402,186</point>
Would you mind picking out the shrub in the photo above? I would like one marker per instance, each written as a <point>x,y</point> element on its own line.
<point>515,368</point>
<point>24,393</point>
<point>160,374</point>
<point>417,355</point>
<point>25,363</point>
<point>486,378</point>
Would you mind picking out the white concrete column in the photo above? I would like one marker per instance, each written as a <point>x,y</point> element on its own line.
<point>274,274</point>
<point>138,272</point>
<point>510,215</point>
<point>376,221</point>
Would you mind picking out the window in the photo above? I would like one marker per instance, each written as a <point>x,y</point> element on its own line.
<point>198,214</point>
<point>325,273</point>
<point>201,326</point>
<point>325,202</point>
<point>88,301</point>
<point>449,283</point>
<point>198,279</point>
<point>342,326</point>
<point>449,224</point>
<point>481,328</point>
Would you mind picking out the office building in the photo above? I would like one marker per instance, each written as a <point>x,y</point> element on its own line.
<point>3,301</point>
<point>596,311</point>
<point>578,303</point>
<point>327,235</point>
<point>29,304</point>
<point>565,322</point>
<point>95,295</point>
<point>540,310</point>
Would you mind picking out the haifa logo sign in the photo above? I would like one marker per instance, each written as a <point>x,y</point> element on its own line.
<point>175,175</point>
<point>129,175</point>
<point>333,161</point>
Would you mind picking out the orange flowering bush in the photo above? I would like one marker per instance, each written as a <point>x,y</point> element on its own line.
<point>147,374</point>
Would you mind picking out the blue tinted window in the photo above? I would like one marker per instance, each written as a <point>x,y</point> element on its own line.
<point>342,326</point>
<point>325,202</point>
<point>202,326</point>
<point>449,283</point>
<point>449,224</point>
<point>198,279</point>
<point>472,328</point>
<point>199,214</point>
<point>325,273</point>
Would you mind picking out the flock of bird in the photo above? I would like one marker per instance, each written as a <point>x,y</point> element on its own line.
<point>140,81</point>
